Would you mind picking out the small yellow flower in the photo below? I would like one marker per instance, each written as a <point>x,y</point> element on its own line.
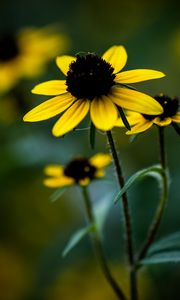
<point>143,122</point>
<point>93,84</point>
<point>25,54</point>
<point>78,171</point>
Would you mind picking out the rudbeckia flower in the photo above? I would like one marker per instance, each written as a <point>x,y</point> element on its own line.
<point>93,84</point>
<point>80,171</point>
<point>142,122</point>
<point>25,54</point>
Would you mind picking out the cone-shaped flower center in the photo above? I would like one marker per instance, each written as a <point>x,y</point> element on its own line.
<point>89,76</point>
<point>8,48</point>
<point>169,105</point>
<point>80,168</point>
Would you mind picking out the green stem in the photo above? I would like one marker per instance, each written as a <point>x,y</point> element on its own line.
<point>163,200</point>
<point>127,217</point>
<point>98,249</point>
<point>163,159</point>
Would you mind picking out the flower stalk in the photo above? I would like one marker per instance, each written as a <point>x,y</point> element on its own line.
<point>127,217</point>
<point>98,249</point>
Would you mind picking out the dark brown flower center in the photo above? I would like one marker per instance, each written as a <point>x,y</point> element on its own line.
<point>89,76</point>
<point>80,168</point>
<point>169,105</point>
<point>8,47</point>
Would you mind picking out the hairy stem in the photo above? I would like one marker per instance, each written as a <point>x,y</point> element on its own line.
<point>127,218</point>
<point>98,248</point>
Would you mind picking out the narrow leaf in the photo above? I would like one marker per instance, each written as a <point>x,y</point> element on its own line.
<point>162,257</point>
<point>92,135</point>
<point>153,171</point>
<point>170,242</point>
<point>76,238</point>
<point>128,86</point>
<point>176,127</point>
<point>124,119</point>
<point>133,138</point>
<point>58,193</point>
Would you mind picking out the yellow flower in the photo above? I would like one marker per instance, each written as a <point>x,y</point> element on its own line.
<point>25,54</point>
<point>143,122</point>
<point>93,84</point>
<point>78,171</point>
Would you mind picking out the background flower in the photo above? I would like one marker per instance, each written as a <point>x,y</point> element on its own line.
<point>142,122</point>
<point>80,171</point>
<point>24,54</point>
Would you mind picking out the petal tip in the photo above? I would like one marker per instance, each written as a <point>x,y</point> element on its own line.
<point>162,74</point>
<point>56,132</point>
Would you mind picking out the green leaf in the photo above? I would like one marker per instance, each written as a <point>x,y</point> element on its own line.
<point>170,242</point>
<point>128,86</point>
<point>92,135</point>
<point>58,193</point>
<point>133,138</point>
<point>162,257</point>
<point>124,119</point>
<point>153,171</point>
<point>76,238</point>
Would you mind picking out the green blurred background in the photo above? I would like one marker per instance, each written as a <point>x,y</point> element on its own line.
<point>33,230</point>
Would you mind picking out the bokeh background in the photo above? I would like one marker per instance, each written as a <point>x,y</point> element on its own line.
<point>33,230</point>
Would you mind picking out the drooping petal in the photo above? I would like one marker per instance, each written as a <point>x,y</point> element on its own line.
<point>63,62</point>
<point>58,181</point>
<point>100,160</point>
<point>116,56</point>
<point>176,118</point>
<point>132,117</point>
<point>140,127</point>
<point>50,88</point>
<point>100,173</point>
<point>158,121</point>
<point>103,113</point>
<point>71,118</point>
<point>49,108</point>
<point>135,101</point>
<point>138,75</point>
<point>84,181</point>
<point>53,170</point>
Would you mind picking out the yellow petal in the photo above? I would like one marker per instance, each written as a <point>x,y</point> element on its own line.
<point>58,181</point>
<point>163,122</point>
<point>53,170</point>
<point>100,160</point>
<point>50,88</point>
<point>63,62</point>
<point>49,108</point>
<point>176,118</point>
<point>103,113</point>
<point>135,101</point>
<point>140,127</point>
<point>138,75</point>
<point>116,56</point>
<point>71,118</point>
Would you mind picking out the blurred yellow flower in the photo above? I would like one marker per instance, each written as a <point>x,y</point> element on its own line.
<point>93,84</point>
<point>143,122</point>
<point>78,171</point>
<point>25,54</point>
